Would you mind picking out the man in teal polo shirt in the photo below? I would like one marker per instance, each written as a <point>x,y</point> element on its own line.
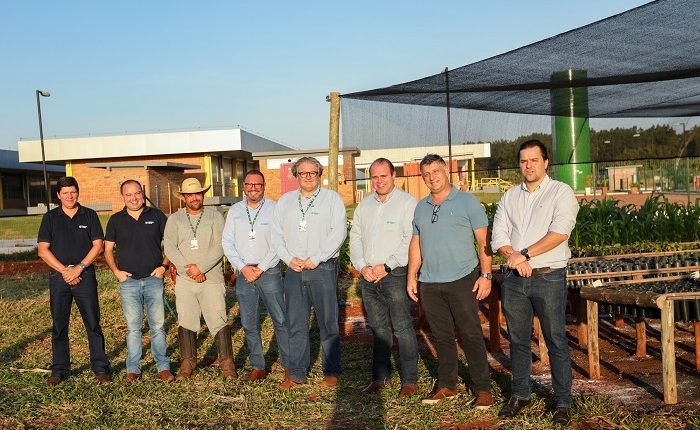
<point>453,278</point>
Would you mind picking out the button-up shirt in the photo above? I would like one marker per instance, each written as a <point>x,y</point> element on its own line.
<point>325,226</point>
<point>381,231</point>
<point>524,217</point>
<point>243,247</point>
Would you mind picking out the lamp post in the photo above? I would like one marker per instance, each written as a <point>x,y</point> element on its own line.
<point>41,93</point>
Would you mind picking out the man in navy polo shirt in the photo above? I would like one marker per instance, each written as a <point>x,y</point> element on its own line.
<point>137,232</point>
<point>70,239</point>
<point>454,276</point>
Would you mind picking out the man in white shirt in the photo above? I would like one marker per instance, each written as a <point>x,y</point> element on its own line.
<point>531,229</point>
<point>382,228</point>
<point>247,245</point>
<point>309,227</point>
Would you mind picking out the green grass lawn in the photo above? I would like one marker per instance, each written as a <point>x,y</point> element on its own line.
<point>207,402</point>
<point>27,227</point>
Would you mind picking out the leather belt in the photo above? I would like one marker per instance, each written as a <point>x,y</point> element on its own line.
<point>535,272</point>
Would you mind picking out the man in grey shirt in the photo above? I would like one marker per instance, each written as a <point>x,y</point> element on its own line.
<point>454,276</point>
<point>382,228</point>
<point>192,242</point>
<point>308,229</point>
<point>247,245</point>
<point>531,229</point>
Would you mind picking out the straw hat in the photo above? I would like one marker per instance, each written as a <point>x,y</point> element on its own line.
<point>191,186</point>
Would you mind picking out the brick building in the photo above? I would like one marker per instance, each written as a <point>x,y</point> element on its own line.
<point>160,161</point>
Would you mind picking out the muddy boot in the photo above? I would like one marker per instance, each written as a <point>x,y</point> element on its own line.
<point>188,353</point>
<point>225,352</point>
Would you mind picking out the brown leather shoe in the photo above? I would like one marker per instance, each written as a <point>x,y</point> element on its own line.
<point>54,380</point>
<point>103,378</point>
<point>440,394</point>
<point>255,375</point>
<point>132,377</point>
<point>166,376</point>
<point>289,384</point>
<point>329,381</point>
<point>407,390</point>
<point>484,400</point>
<point>374,387</point>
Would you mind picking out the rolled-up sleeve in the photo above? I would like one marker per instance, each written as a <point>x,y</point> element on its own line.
<point>565,211</point>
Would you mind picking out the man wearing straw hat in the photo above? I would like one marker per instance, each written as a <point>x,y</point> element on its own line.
<point>192,242</point>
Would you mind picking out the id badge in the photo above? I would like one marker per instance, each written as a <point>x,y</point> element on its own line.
<point>251,235</point>
<point>302,225</point>
<point>194,244</point>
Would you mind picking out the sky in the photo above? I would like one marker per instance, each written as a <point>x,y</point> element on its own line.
<point>267,66</point>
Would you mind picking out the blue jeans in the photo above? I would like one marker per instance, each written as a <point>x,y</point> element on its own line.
<point>61,296</point>
<point>137,294</point>
<point>317,287</point>
<point>387,305</point>
<point>269,288</point>
<point>545,296</point>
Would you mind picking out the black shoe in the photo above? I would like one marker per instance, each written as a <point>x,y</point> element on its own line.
<point>512,407</point>
<point>562,415</point>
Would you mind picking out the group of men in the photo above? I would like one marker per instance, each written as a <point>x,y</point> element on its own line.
<point>436,251</point>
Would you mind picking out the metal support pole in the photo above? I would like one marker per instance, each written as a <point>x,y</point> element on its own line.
<point>43,157</point>
<point>449,125</point>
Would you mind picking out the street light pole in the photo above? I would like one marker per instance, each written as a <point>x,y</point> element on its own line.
<point>40,93</point>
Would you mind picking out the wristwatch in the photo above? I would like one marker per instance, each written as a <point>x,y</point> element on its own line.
<point>387,268</point>
<point>82,266</point>
<point>524,252</point>
<point>488,276</point>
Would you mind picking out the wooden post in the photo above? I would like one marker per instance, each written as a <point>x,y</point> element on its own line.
<point>696,326</point>
<point>641,327</point>
<point>544,352</point>
<point>668,352</point>
<point>581,319</point>
<point>495,318</point>
<point>334,141</point>
<point>593,353</point>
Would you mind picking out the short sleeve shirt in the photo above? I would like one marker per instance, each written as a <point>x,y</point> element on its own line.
<point>447,236</point>
<point>70,239</point>
<point>138,242</point>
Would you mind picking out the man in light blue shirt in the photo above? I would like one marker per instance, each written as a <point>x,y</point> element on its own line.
<point>309,227</point>
<point>382,228</point>
<point>247,245</point>
<point>531,229</point>
<point>453,276</point>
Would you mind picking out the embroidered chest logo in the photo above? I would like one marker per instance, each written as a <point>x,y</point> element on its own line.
<point>82,226</point>
<point>149,222</point>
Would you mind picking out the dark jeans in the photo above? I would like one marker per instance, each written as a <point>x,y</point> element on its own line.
<point>317,287</point>
<point>387,305</point>
<point>545,296</point>
<point>267,287</point>
<point>61,298</point>
<point>453,304</point>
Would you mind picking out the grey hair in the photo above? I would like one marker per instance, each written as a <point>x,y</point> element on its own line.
<point>430,159</point>
<point>295,166</point>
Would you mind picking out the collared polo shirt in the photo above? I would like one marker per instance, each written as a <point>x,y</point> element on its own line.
<point>239,246</point>
<point>381,231</point>
<point>447,245</point>
<point>70,239</point>
<point>524,217</point>
<point>138,241</point>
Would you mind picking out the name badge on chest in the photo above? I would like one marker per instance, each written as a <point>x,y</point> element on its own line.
<point>194,245</point>
<point>251,235</point>
<point>302,225</point>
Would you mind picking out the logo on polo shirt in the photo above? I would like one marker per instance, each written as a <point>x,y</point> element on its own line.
<point>149,222</point>
<point>82,226</point>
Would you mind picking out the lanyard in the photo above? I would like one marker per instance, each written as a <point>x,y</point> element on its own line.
<point>311,203</point>
<point>252,222</point>
<point>194,228</point>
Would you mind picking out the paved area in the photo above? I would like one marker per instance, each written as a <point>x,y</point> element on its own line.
<point>16,245</point>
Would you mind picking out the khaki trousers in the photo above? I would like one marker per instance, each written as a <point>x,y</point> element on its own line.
<point>193,300</point>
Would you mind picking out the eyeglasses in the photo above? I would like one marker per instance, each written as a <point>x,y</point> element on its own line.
<point>436,209</point>
<point>308,175</point>
<point>252,185</point>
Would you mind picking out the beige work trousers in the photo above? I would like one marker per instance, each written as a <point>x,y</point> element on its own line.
<point>193,300</point>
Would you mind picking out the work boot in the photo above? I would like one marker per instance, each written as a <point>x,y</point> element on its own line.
<point>225,352</point>
<point>188,353</point>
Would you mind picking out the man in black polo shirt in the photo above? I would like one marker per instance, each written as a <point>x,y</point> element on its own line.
<point>70,239</point>
<point>137,232</point>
